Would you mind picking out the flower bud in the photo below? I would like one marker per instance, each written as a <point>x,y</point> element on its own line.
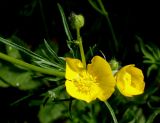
<point>114,64</point>
<point>77,21</point>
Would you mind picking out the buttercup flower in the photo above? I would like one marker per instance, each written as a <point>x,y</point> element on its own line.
<point>130,81</point>
<point>95,81</point>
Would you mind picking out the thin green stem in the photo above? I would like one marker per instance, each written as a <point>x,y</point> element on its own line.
<point>79,39</point>
<point>105,13</point>
<point>111,111</point>
<point>95,6</point>
<point>30,66</point>
<point>21,99</point>
<point>102,8</point>
<point>112,32</point>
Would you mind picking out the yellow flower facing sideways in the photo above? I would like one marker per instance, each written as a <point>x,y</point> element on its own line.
<point>95,81</point>
<point>130,81</point>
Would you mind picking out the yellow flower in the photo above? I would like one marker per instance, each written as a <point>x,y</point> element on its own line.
<point>95,81</point>
<point>130,81</point>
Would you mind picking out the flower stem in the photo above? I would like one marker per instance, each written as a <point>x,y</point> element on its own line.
<point>105,13</point>
<point>111,111</point>
<point>30,66</point>
<point>79,39</point>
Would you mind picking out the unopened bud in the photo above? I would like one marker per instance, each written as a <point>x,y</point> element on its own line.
<point>77,21</point>
<point>114,64</point>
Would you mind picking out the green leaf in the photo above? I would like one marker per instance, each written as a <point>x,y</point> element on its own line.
<point>13,52</point>
<point>70,41</point>
<point>50,57</point>
<point>20,48</point>
<point>65,24</point>
<point>153,116</point>
<point>17,78</point>
<point>133,114</point>
<point>150,68</point>
<point>52,112</point>
<point>3,84</point>
<point>40,60</point>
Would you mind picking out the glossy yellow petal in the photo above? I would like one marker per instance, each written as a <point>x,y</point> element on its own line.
<point>137,76</point>
<point>73,68</point>
<point>101,70</point>
<point>130,81</point>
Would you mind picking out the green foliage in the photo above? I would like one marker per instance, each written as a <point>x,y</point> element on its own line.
<point>80,112</point>
<point>47,91</point>
<point>151,56</point>
<point>15,75</point>
<point>12,76</point>
<point>43,61</point>
<point>133,114</point>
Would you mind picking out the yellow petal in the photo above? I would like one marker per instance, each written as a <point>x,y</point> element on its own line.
<point>73,68</point>
<point>137,77</point>
<point>101,70</point>
<point>130,91</point>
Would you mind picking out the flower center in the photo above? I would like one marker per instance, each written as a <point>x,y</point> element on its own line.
<point>85,82</point>
<point>129,81</point>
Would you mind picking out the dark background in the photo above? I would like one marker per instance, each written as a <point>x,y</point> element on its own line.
<point>36,20</point>
<point>25,20</point>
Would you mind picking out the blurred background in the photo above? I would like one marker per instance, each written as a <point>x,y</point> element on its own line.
<point>35,20</point>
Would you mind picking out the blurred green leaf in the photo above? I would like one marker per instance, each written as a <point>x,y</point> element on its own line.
<point>74,50</point>
<point>133,114</point>
<point>153,116</point>
<point>13,52</point>
<point>3,84</point>
<point>65,24</point>
<point>151,68</point>
<point>151,55</point>
<point>52,112</point>
<point>17,78</point>
<point>40,60</point>
<point>50,58</point>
